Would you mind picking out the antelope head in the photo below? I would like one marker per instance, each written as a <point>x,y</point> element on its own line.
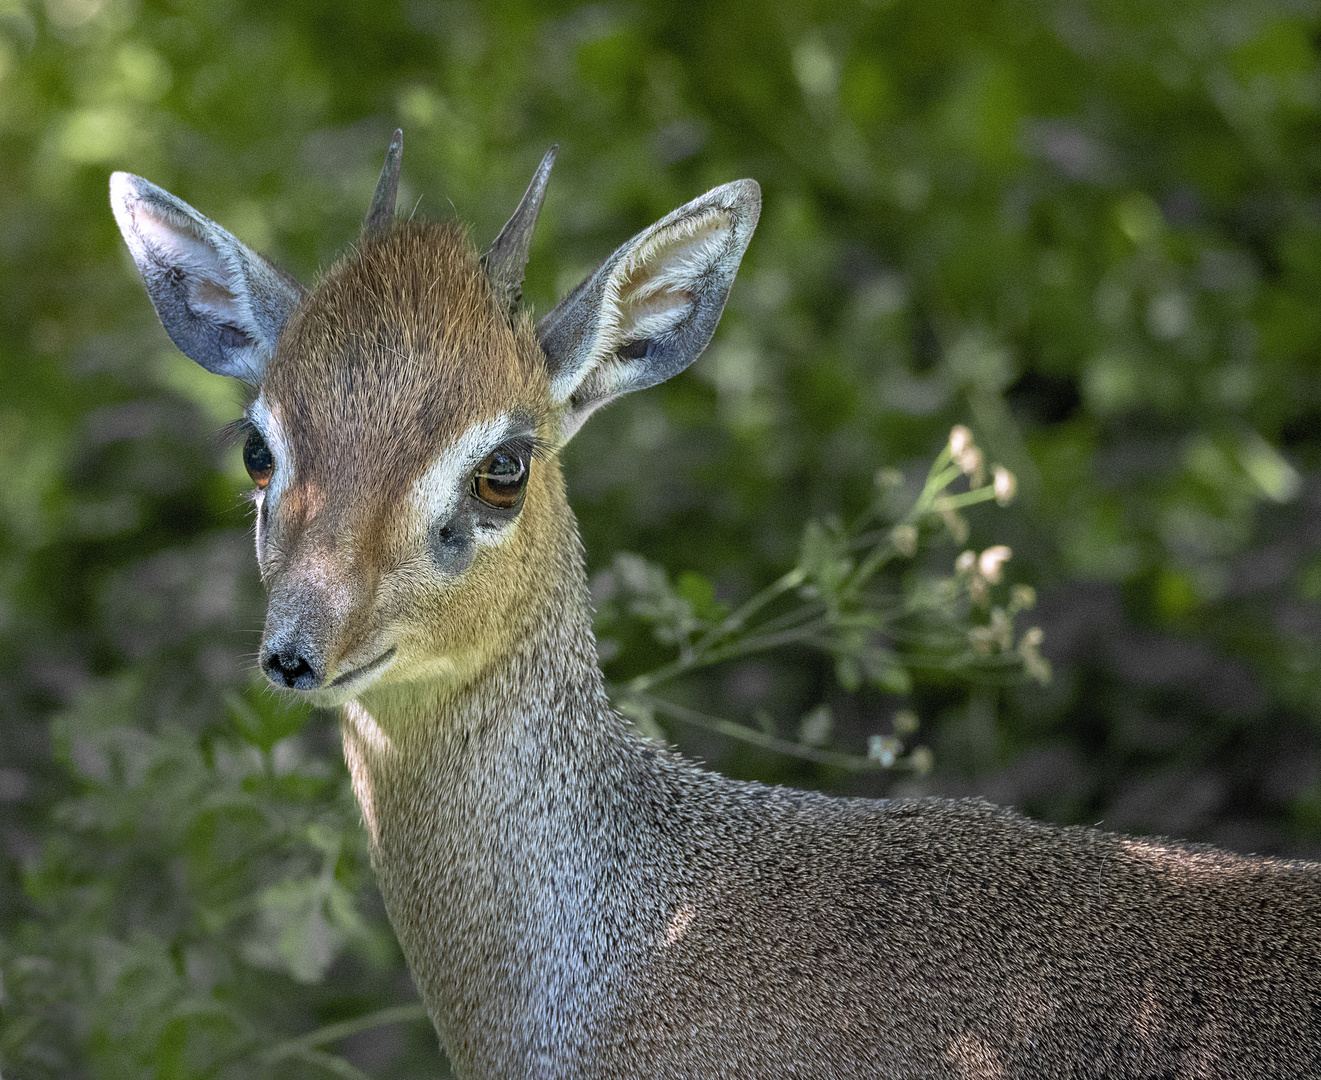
<point>404,415</point>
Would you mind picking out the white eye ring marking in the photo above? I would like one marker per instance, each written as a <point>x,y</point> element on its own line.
<point>265,417</point>
<point>437,492</point>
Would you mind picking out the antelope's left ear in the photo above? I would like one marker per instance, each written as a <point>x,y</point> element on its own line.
<point>221,303</point>
<point>652,307</point>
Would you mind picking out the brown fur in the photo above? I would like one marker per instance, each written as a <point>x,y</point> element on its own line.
<point>395,353</point>
<point>398,349</point>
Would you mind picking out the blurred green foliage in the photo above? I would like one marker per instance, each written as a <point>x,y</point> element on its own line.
<point>1089,229</point>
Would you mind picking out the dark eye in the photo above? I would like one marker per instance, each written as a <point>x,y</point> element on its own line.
<point>257,459</point>
<point>501,479</point>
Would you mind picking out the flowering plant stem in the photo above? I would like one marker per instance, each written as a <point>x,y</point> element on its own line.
<point>836,613</point>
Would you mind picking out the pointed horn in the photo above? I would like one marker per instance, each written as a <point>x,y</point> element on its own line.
<point>506,261</point>
<point>381,214</point>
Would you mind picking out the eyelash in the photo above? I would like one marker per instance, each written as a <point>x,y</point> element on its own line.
<point>530,446</point>
<point>237,431</point>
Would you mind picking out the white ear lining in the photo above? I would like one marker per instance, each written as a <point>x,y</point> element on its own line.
<point>648,294</point>
<point>216,272</point>
<point>652,316</point>
<point>694,244</point>
<point>170,239</point>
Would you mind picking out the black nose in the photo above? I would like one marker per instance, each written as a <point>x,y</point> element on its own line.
<point>289,667</point>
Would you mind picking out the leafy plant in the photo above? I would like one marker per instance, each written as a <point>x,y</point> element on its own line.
<point>836,599</point>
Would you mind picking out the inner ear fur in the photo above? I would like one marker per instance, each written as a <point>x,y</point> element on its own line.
<point>222,304</point>
<point>651,308</point>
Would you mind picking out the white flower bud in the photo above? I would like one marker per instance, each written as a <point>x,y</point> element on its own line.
<point>965,562</point>
<point>960,438</point>
<point>884,749</point>
<point>990,563</point>
<point>904,539</point>
<point>1006,485</point>
<point>1029,649</point>
<point>954,522</point>
<point>970,461</point>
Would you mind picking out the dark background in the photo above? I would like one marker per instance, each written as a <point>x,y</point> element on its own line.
<point>1089,230</point>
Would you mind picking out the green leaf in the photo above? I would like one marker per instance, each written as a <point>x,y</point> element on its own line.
<point>823,557</point>
<point>262,719</point>
<point>701,596</point>
<point>296,931</point>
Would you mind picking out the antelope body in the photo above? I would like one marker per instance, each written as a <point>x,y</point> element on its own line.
<point>575,901</point>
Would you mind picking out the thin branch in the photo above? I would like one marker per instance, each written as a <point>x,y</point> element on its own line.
<point>799,633</point>
<point>804,613</point>
<point>832,623</point>
<point>757,737</point>
<point>332,1063</point>
<point>869,566</point>
<point>395,1014</point>
<point>870,539</point>
<point>968,498</point>
<point>735,621</point>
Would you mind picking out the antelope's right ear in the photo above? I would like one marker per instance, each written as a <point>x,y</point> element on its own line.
<point>651,308</point>
<point>220,302</point>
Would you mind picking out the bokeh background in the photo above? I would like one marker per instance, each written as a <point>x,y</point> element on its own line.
<point>1090,229</point>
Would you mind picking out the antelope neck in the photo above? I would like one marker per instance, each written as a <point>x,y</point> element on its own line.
<point>497,816</point>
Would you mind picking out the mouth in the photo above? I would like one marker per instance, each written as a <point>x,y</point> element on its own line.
<point>365,669</point>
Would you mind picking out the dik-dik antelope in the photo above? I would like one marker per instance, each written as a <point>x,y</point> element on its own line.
<point>575,901</point>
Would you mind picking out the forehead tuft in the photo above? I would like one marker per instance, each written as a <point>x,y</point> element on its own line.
<point>399,345</point>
